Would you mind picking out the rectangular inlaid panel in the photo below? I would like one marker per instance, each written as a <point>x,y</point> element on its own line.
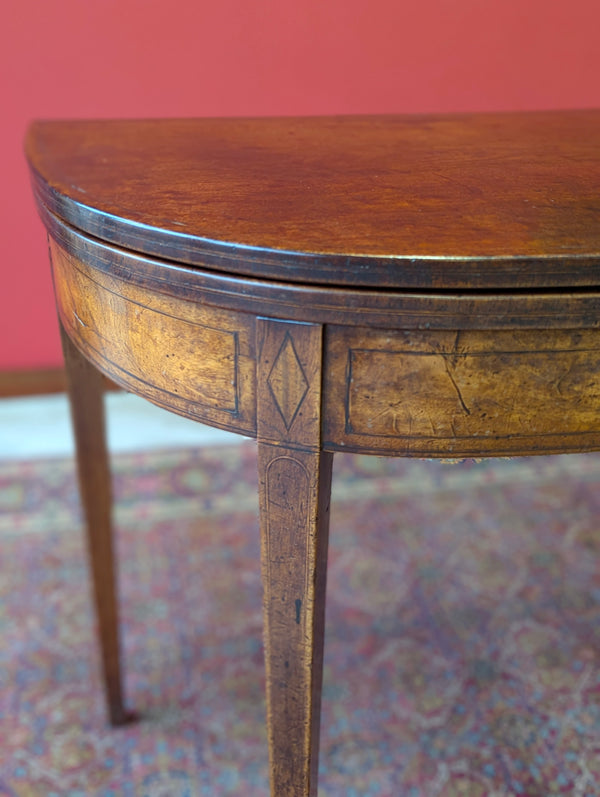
<point>453,393</point>
<point>186,357</point>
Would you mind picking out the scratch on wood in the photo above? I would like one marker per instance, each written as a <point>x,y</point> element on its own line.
<point>565,375</point>
<point>83,324</point>
<point>466,410</point>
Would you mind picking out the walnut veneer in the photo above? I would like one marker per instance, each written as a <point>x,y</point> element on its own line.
<point>409,286</point>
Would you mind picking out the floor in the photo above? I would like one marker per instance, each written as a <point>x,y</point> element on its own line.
<point>38,427</point>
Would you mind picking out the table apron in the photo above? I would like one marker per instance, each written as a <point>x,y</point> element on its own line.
<point>397,391</point>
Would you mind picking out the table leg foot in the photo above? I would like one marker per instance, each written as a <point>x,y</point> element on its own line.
<point>120,716</point>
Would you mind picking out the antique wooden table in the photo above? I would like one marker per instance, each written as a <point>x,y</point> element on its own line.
<point>410,286</point>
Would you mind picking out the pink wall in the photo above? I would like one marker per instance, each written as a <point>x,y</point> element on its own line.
<point>86,58</point>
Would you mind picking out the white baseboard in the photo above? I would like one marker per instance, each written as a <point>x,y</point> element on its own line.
<point>39,427</point>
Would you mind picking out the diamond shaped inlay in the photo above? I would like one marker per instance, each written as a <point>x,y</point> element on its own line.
<point>287,382</point>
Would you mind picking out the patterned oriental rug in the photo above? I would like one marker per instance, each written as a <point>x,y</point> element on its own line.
<point>463,630</point>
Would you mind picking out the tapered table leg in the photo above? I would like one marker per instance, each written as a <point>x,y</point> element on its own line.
<point>294,484</point>
<point>86,396</point>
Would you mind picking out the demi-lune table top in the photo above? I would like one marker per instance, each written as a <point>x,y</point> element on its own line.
<point>456,202</point>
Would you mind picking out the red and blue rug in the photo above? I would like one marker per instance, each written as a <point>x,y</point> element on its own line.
<point>463,630</point>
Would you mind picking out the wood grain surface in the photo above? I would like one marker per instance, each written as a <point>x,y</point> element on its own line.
<point>434,202</point>
<point>194,360</point>
<point>463,393</point>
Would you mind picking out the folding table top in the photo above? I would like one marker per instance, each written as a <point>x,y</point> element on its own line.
<point>506,201</point>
